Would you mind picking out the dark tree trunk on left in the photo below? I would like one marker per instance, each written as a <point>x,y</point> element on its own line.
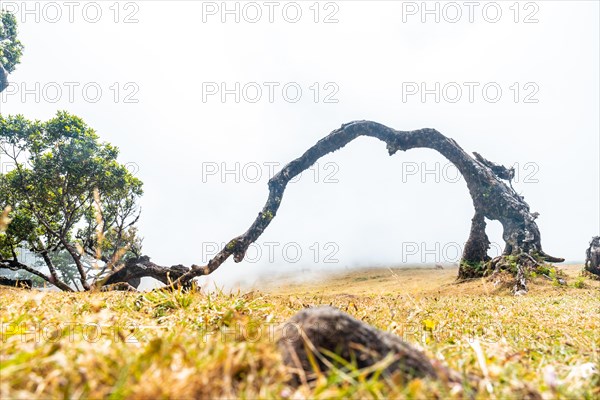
<point>136,268</point>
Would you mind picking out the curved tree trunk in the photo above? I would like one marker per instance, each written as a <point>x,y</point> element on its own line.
<point>492,199</point>
<point>136,268</point>
<point>16,265</point>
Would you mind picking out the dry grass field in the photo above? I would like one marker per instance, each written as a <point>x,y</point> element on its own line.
<point>222,345</point>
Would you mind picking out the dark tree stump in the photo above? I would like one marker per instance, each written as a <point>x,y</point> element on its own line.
<point>313,330</point>
<point>475,252</point>
<point>592,257</point>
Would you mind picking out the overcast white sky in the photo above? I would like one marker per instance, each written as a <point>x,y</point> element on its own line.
<point>372,59</point>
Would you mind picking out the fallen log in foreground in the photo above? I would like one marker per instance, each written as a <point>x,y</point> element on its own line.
<point>311,336</point>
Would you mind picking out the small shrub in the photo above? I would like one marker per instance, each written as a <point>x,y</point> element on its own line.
<point>579,283</point>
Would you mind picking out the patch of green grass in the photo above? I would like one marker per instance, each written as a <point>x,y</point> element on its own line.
<point>579,282</point>
<point>210,345</point>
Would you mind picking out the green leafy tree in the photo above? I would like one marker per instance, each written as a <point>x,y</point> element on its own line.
<point>71,202</point>
<point>11,48</point>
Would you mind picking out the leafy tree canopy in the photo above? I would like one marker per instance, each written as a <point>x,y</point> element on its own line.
<point>67,194</point>
<point>11,48</point>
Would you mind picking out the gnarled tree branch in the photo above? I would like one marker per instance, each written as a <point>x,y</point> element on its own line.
<point>136,268</point>
<point>492,198</point>
<point>15,265</point>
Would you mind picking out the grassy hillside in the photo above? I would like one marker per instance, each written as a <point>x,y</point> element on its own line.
<point>185,345</point>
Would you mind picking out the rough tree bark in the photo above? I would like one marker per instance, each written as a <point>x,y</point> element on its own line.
<point>136,268</point>
<point>592,257</point>
<point>492,198</point>
<point>315,332</point>
<point>475,250</point>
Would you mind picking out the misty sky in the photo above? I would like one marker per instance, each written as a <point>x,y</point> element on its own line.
<point>517,83</point>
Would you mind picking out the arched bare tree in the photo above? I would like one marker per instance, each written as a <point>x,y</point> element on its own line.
<point>488,183</point>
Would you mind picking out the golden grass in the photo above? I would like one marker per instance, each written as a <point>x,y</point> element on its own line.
<point>191,345</point>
